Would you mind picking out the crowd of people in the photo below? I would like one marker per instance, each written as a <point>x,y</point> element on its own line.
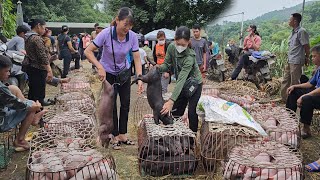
<point>115,50</point>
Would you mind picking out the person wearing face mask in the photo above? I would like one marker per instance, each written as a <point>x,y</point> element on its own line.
<point>251,43</point>
<point>159,53</point>
<point>38,68</point>
<point>183,59</point>
<point>117,42</point>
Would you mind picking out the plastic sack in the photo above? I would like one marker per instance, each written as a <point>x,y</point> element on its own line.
<point>220,111</point>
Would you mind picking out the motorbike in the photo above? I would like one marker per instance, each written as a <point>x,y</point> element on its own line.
<point>216,69</point>
<point>17,76</point>
<point>258,71</point>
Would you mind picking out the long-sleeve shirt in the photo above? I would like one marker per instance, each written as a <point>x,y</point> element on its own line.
<point>7,99</point>
<point>37,51</point>
<point>185,66</point>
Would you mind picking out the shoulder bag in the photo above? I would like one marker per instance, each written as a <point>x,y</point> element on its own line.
<point>125,74</point>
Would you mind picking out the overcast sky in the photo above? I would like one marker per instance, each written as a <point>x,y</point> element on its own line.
<point>255,8</point>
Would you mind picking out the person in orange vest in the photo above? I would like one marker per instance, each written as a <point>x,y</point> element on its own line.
<point>159,54</point>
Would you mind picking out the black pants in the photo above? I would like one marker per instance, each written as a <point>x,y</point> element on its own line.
<point>67,58</point>
<point>76,59</point>
<point>243,62</point>
<point>121,123</point>
<point>37,84</point>
<point>309,103</point>
<point>181,103</point>
<point>81,51</point>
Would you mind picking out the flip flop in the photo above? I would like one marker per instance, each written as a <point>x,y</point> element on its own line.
<point>20,149</point>
<point>116,146</point>
<point>127,142</point>
<point>315,167</point>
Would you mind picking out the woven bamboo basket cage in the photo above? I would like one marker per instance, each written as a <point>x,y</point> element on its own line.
<point>84,108</point>
<point>6,147</point>
<point>166,150</point>
<point>281,124</point>
<point>72,96</point>
<point>74,115</point>
<point>263,160</point>
<point>141,107</point>
<point>67,151</point>
<point>218,139</point>
<point>75,87</point>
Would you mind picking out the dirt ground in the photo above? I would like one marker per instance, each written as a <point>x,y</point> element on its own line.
<point>126,158</point>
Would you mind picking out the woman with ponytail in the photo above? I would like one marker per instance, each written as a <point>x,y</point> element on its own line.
<point>65,50</point>
<point>252,42</point>
<point>182,58</point>
<point>117,41</point>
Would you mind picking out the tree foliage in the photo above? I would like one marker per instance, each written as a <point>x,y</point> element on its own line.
<point>85,11</point>
<point>9,18</point>
<point>273,26</point>
<point>155,14</point>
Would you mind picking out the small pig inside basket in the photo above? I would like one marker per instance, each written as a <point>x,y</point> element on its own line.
<point>154,94</point>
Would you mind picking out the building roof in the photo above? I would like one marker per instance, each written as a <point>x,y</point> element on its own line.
<point>73,25</point>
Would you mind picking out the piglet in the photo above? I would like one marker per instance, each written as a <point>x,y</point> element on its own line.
<point>262,157</point>
<point>105,114</point>
<point>154,94</point>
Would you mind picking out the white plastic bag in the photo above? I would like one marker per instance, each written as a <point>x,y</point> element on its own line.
<point>221,111</point>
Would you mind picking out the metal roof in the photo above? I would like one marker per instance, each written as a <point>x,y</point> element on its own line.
<point>73,25</point>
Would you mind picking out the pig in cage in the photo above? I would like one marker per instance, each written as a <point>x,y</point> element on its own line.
<point>281,124</point>
<point>84,108</point>
<point>218,139</point>
<point>263,160</point>
<point>165,150</point>
<point>58,154</point>
<point>75,87</point>
<point>74,115</point>
<point>64,98</point>
<point>6,147</point>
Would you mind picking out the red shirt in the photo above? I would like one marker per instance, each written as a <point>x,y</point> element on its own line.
<point>247,43</point>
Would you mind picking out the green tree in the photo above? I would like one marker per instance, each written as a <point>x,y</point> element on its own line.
<point>9,23</point>
<point>64,10</point>
<point>154,14</point>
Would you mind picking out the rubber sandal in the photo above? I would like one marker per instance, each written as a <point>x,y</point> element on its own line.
<point>127,142</point>
<point>116,146</point>
<point>20,149</point>
<point>314,167</point>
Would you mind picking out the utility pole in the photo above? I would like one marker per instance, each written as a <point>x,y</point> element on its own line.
<point>241,33</point>
<point>303,4</point>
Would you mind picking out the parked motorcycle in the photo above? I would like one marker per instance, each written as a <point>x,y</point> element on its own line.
<point>258,71</point>
<point>17,76</point>
<point>216,68</point>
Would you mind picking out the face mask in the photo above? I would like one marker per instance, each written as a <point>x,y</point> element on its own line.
<point>180,49</point>
<point>161,42</point>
